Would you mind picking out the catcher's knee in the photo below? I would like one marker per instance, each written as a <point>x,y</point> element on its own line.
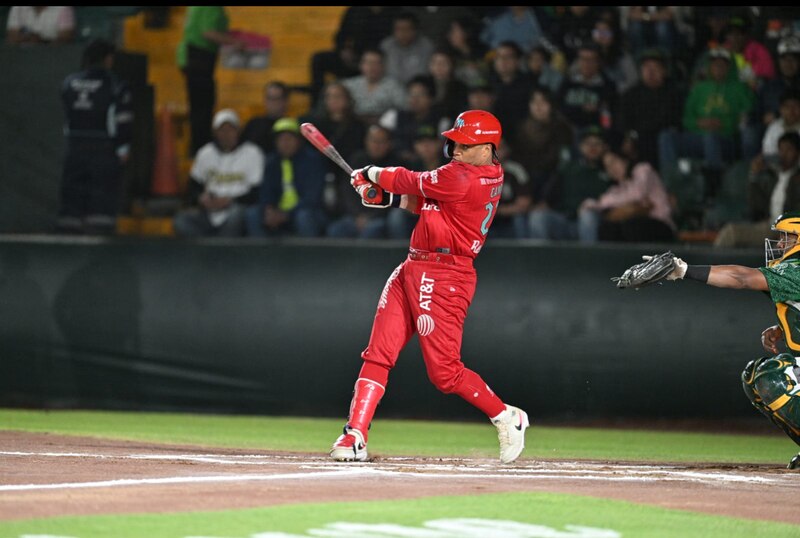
<point>771,385</point>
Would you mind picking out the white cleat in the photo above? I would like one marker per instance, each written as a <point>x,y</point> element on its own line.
<point>350,446</point>
<point>511,425</point>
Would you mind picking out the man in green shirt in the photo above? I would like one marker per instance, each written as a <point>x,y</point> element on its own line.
<point>205,29</point>
<point>712,115</point>
<point>771,382</point>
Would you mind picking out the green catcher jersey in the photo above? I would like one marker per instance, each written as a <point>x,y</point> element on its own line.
<point>783,280</point>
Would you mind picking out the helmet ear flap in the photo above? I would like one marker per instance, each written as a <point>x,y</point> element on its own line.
<point>448,148</point>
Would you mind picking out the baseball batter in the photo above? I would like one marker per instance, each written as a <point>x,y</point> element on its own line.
<point>771,382</point>
<point>430,292</point>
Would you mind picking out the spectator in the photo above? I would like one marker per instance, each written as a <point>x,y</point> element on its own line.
<point>511,221</point>
<point>587,96</point>
<point>651,27</point>
<point>481,97</point>
<point>540,140</point>
<point>556,215</point>
<point>420,111</point>
<point>467,50</point>
<point>338,122</point>
<point>373,92</point>
<point>290,198</point>
<point>40,24</point>
<point>361,28</point>
<point>428,154</point>
<point>359,221</point>
<point>451,93</point>
<point>205,29</point>
<point>573,30</point>
<point>512,87</point>
<point>788,121</point>
<point>710,23</point>
<point>259,129</point>
<point>617,64</point>
<point>788,77</point>
<point>543,73</point>
<point>224,180</point>
<point>755,67</point>
<point>98,130</point>
<point>434,21</point>
<point>753,60</point>
<point>652,105</point>
<point>774,189</point>
<point>516,23</point>
<point>406,51</point>
<point>712,114</point>
<point>635,208</point>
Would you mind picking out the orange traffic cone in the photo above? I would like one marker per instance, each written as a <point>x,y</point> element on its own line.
<point>165,167</point>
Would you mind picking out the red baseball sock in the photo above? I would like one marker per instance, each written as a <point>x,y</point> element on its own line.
<point>367,394</point>
<point>475,390</point>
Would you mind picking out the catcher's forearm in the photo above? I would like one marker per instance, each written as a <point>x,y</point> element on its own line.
<point>737,277</point>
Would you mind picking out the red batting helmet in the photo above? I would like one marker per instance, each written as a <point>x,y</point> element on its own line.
<point>475,127</point>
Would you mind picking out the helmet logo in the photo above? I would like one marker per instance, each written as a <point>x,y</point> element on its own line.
<point>459,123</point>
<point>478,131</point>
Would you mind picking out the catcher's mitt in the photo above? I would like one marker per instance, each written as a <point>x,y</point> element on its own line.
<point>648,272</point>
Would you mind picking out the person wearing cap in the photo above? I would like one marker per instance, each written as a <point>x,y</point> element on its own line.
<point>654,104</point>
<point>223,180</point>
<point>98,127</point>
<point>290,197</point>
<point>712,115</point>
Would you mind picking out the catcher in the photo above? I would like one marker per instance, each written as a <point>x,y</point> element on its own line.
<point>771,382</point>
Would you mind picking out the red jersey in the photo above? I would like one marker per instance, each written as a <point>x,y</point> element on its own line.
<point>457,205</point>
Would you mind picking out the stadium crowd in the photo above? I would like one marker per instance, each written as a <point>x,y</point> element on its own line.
<point>630,123</point>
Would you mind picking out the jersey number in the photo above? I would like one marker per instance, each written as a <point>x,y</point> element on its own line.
<point>485,224</point>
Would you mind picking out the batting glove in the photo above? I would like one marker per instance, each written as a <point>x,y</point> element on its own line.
<point>372,195</point>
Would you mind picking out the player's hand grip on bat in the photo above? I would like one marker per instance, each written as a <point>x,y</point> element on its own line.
<point>372,195</point>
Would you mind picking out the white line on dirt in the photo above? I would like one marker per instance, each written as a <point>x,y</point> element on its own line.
<point>401,467</point>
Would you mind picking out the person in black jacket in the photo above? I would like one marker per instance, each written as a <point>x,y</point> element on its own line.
<point>98,128</point>
<point>652,105</point>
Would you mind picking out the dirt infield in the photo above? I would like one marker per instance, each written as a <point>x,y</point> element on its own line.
<point>45,475</point>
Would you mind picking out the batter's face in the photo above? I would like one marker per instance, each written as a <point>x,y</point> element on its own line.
<point>474,154</point>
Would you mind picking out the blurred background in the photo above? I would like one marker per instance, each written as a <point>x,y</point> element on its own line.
<point>169,241</point>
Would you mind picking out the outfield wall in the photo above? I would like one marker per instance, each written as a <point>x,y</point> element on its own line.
<point>277,328</point>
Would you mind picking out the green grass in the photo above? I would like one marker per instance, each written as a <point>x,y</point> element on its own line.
<point>556,511</point>
<point>394,437</point>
